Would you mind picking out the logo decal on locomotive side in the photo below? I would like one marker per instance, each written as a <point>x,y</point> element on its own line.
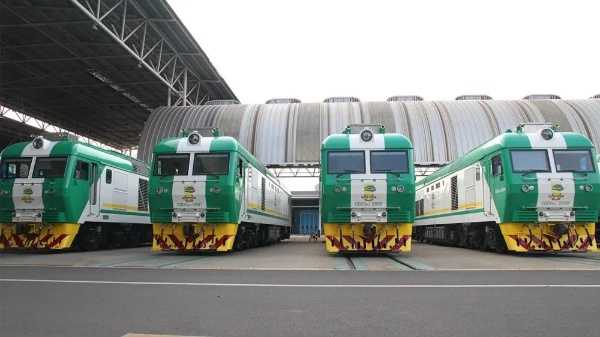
<point>188,194</point>
<point>27,198</point>
<point>368,194</point>
<point>557,192</point>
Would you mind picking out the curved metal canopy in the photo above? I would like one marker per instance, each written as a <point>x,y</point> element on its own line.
<point>284,134</point>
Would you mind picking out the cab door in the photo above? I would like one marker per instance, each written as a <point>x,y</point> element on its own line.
<point>94,190</point>
<point>497,183</point>
<point>79,193</point>
<point>241,186</point>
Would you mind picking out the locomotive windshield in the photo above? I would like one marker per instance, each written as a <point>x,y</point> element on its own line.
<point>211,164</point>
<point>573,161</point>
<point>530,161</point>
<point>49,167</point>
<point>15,168</point>
<point>172,165</point>
<point>339,162</point>
<point>389,161</point>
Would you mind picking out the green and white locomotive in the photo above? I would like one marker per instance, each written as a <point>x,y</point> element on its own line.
<point>367,185</point>
<point>56,192</point>
<point>535,189</point>
<point>208,193</point>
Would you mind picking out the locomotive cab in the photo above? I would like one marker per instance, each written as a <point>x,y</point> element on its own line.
<point>50,187</point>
<point>208,193</point>
<point>36,188</point>
<point>534,189</point>
<point>367,190</point>
<point>36,182</point>
<point>196,183</point>
<point>549,183</point>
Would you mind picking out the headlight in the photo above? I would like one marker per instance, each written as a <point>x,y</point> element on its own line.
<point>398,188</point>
<point>588,188</point>
<point>337,189</point>
<point>38,142</point>
<point>526,188</point>
<point>194,138</point>
<point>366,135</point>
<point>547,134</point>
<point>215,189</point>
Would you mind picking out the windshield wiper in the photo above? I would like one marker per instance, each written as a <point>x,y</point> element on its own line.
<point>528,172</point>
<point>346,172</point>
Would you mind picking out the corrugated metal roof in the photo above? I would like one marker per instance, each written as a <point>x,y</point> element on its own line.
<point>439,130</point>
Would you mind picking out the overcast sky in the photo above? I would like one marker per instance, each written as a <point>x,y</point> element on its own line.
<point>375,49</point>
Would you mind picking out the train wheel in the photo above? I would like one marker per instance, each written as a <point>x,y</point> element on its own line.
<point>117,237</point>
<point>134,238</point>
<point>253,239</point>
<point>463,236</point>
<point>241,239</point>
<point>90,237</point>
<point>500,243</point>
<point>476,239</point>
<point>263,234</point>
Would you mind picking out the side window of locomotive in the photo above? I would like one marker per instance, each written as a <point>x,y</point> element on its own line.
<point>82,170</point>
<point>240,171</point>
<point>344,162</point>
<point>497,166</point>
<point>15,168</point>
<point>172,165</point>
<point>389,161</point>
<point>49,167</point>
<point>211,164</point>
<point>109,176</point>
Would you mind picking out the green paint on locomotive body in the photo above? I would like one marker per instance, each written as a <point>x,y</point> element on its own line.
<point>513,205</point>
<point>343,194</point>
<point>219,197</point>
<point>64,198</point>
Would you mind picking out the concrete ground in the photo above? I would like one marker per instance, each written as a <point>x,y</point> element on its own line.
<point>107,302</point>
<point>296,289</point>
<point>300,254</point>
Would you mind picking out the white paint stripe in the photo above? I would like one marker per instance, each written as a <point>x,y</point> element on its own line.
<point>275,285</point>
<point>203,146</point>
<point>356,143</point>
<point>146,335</point>
<point>29,151</point>
<point>537,142</point>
